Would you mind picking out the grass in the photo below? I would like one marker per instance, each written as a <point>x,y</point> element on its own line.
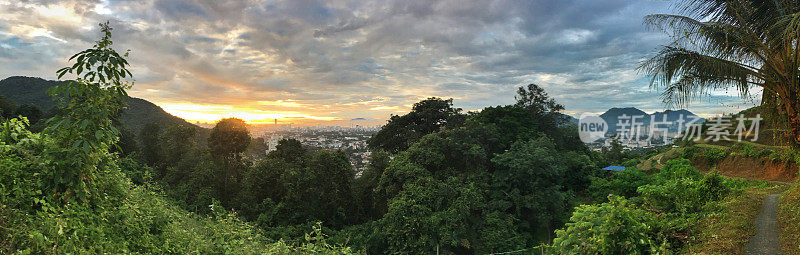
<point>711,146</point>
<point>789,220</point>
<point>732,222</point>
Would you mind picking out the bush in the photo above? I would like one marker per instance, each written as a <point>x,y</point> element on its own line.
<point>614,227</point>
<point>676,169</point>
<point>690,152</point>
<point>623,183</point>
<point>684,195</point>
<point>714,155</point>
<point>680,188</point>
<point>124,218</point>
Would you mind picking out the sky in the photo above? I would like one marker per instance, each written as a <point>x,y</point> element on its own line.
<point>330,62</point>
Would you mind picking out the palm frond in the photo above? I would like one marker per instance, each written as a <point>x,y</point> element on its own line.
<point>713,38</point>
<point>685,74</point>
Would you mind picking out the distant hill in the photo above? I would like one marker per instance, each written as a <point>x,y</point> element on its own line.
<point>612,117</point>
<point>570,119</point>
<point>138,112</point>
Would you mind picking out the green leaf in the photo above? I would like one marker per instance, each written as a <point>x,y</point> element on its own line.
<point>75,144</point>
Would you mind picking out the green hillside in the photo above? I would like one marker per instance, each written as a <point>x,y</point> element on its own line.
<point>138,112</point>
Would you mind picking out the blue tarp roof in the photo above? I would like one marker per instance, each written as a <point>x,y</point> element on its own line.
<point>614,168</point>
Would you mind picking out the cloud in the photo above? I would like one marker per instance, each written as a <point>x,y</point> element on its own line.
<point>351,59</point>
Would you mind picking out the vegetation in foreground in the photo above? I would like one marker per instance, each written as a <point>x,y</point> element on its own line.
<point>722,231</point>
<point>671,211</point>
<point>64,191</point>
<point>502,179</point>
<point>789,220</point>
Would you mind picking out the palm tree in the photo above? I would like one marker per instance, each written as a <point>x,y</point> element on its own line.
<point>725,44</point>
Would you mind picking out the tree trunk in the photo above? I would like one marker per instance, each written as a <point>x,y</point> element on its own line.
<point>791,107</point>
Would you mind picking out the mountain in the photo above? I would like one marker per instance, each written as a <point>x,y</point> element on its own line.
<point>570,119</point>
<point>137,113</point>
<point>611,117</point>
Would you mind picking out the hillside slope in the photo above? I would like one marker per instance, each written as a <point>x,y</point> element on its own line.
<point>138,112</point>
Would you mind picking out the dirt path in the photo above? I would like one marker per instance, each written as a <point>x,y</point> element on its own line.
<point>766,239</point>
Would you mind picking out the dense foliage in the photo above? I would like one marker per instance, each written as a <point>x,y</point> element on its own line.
<point>509,178</point>
<point>426,116</point>
<point>66,191</point>
<point>659,214</point>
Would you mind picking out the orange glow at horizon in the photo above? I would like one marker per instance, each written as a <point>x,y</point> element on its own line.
<point>213,113</point>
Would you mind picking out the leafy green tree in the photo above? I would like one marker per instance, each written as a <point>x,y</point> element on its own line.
<point>544,108</point>
<point>623,184</point>
<point>127,143</point>
<point>680,188</point>
<point>371,205</point>
<point>177,141</point>
<point>84,133</point>
<point>426,116</point>
<point>229,139</point>
<point>528,183</point>
<point>291,151</point>
<point>323,191</point>
<point>264,181</point>
<point>431,215</point>
<point>151,150</point>
<point>731,44</point>
<point>615,153</point>
<point>511,123</point>
<point>32,112</point>
<point>257,149</point>
<point>7,107</point>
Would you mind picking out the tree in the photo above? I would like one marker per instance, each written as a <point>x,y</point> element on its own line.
<point>615,153</point>
<point>264,181</point>
<point>614,227</point>
<point>291,151</point>
<point>177,141</point>
<point>151,144</point>
<point>529,179</point>
<point>85,131</point>
<point>257,149</point>
<point>369,202</point>
<point>127,143</point>
<point>536,100</point>
<point>228,139</point>
<point>738,44</point>
<point>226,143</point>
<point>322,192</point>
<point>426,116</point>
<point>430,215</point>
<point>32,112</point>
<point>7,107</point>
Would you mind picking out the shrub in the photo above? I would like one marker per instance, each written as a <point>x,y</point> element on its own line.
<point>714,155</point>
<point>680,188</point>
<point>614,227</point>
<point>690,152</point>
<point>676,169</point>
<point>631,162</point>
<point>623,183</point>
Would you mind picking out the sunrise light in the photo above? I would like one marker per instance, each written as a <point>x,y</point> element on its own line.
<point>213,113</point>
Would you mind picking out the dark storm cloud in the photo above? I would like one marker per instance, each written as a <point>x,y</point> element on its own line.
<point>352,56</point>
